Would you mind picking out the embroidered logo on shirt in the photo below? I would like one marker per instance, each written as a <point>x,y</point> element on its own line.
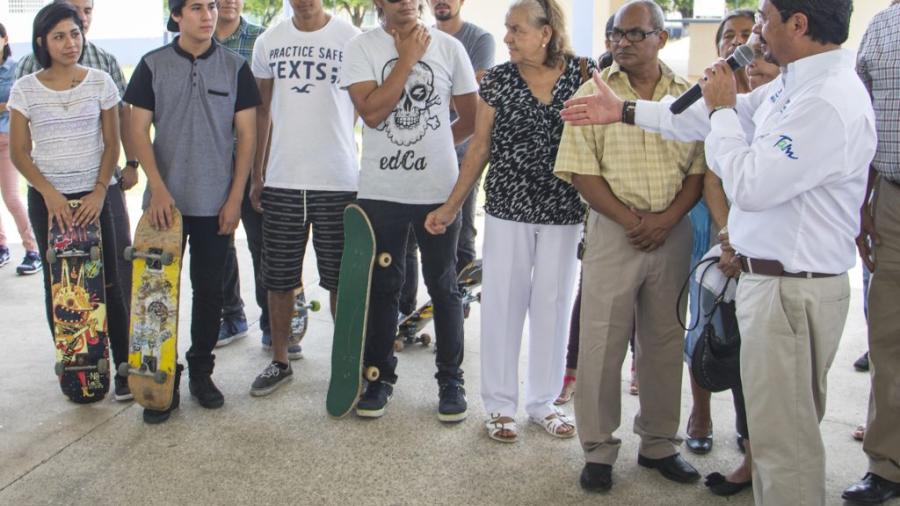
<point>784,144</point>
<point>305,89</point>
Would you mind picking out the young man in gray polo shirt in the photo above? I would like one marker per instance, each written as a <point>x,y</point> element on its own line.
<point>200,98</point>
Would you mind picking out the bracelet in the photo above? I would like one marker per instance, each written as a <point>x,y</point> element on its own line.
<point>719,108</point>
<point>628,108</point>
<point>132,163</point>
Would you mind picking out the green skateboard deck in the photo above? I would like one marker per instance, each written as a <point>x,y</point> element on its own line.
<point>351,313</point>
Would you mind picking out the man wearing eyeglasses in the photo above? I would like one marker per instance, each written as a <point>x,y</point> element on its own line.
<point>796,190</point>
<point>638,246</point>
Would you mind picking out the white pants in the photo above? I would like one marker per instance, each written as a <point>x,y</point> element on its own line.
<point>527,268</point>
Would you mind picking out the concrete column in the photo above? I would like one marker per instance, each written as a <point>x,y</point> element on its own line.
<point>702,46</point>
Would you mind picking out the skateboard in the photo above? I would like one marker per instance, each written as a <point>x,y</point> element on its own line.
<point>410,328</point>
<point>354,282</point>
<point>78,295</point>
<point>153,344</point>
<point>300,317</point>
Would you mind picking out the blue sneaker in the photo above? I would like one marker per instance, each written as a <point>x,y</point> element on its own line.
<point>231,330</point>
<point>295,351</point>
<point>4,255</point>
<point>31,264</point>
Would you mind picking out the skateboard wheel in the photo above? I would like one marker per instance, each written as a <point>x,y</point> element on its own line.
<point>128,253</point>
<point>103,366</point>
<point>160,377</point>
<point>124,369</point>
<point>314,306</point>
<point>384,259</point>
<point>95,253</point>
<point>167,258</point>
<point>425,339</point>
<point>58,368</point>
<point>398,345</point>
<point>372,374</point>
<point>51,255</point>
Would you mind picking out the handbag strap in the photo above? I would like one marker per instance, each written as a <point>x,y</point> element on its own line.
<point>710,262</point>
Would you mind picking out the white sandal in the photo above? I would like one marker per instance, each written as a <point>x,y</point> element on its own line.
<point>554,422</point>
<point>495,427</point>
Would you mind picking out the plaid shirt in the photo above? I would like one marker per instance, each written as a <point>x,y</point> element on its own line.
<point>877,62</point>
<point>93,57</point>
<point>643,170</point>
<point>243,39</point>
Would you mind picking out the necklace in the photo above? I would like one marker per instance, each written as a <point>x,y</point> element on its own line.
<point>66,101</point>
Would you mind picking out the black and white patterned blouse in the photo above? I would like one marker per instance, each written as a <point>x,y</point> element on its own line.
<point>520,185</point>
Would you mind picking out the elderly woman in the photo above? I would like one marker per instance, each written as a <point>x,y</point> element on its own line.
<point>533,219</point>
<point>734,30</point>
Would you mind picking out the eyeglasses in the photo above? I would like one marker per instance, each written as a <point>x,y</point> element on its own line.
<point>635,35</point>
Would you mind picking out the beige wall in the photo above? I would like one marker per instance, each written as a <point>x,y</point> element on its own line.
<point>863,11</point>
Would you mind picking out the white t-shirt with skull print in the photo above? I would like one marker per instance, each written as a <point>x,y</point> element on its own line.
<point>410,157</point>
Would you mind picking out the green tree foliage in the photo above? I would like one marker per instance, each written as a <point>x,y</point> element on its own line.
<point>356,9</point>
<point>264,10</point>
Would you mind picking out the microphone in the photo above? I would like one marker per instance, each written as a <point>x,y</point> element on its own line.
<point>742,56</point>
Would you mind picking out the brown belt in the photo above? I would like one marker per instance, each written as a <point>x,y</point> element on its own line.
<point>775,268</point>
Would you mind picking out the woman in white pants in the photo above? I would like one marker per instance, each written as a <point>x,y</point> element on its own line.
<point>533,219</point>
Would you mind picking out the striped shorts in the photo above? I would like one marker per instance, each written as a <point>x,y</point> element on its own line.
<point>288,218</point>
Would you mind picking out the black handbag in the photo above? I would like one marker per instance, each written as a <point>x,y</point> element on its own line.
<point>716,359</point>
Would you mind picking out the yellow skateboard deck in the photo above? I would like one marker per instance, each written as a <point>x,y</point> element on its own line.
<point>153,341</point>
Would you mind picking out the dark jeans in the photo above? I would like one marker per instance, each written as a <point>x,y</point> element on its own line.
<point>740,412</point>
<point>116,312</point>
<point>575,332</point>
<point>465,253</point>
<point>234,306</point>
<point>391,222</point>
<point>208,257</point>
<point>115,198</point>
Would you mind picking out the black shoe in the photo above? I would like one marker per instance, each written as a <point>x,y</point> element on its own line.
<point>673,467</point>
<point>121,392</point>
<point>374,399</point>
<point>152,416</point>
<point>699,445</point>
<point>452,406</point>
<point>596,477</point>
<point>872,489</point>
<point>206,392</point>
<point>862,363</point>
<point>719,485</point>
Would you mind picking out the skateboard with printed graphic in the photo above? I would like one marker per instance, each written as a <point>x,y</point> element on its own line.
<point>410,328</point>
<point>153,342</point>
<point>300,316</point>
<point>78,299</point>
<point>354,283</point>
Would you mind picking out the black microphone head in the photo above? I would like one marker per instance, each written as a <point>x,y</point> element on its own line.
<point>742,56</point>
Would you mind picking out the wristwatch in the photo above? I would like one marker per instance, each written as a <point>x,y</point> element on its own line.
<point>132,163</point>
<point>628,109</point>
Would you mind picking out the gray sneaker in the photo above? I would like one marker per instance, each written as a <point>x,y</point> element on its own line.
<point>270,379</point>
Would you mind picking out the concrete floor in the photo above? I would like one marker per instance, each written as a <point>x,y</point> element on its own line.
<point>285,449</point>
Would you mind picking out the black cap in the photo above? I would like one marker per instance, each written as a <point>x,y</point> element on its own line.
<point>172,25</point>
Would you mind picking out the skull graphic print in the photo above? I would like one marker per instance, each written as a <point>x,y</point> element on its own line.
<point>412,116</point>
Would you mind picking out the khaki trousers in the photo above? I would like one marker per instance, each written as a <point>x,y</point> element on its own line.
<point>790,330</point>
<point>624,287</point>
<point>882,443</point>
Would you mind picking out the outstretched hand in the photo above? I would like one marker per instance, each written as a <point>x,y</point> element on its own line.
<point>602,108</point>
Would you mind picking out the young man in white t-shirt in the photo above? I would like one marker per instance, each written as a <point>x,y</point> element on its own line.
<point>312,171</point>
<point>402,78</point>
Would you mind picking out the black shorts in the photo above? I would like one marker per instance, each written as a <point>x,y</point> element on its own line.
<point>288,217</point>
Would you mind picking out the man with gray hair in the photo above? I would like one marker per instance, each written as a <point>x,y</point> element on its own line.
<point>637,234</point>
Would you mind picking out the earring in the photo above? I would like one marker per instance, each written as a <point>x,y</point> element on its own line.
<point>543,45</point>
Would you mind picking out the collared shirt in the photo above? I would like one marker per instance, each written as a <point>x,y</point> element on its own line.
<point>194,102</point>
<point>243,39</point>
<point>93,57</point>
<point>643,170</point>
<point>877,62</point>
<point>797,185</point>
<point>7,78</point>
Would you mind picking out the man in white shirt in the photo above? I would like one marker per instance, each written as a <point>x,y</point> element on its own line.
<point>312,171</point>
<point>796,190</point>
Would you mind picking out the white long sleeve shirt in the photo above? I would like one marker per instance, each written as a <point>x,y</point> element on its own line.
<point>793,157</point>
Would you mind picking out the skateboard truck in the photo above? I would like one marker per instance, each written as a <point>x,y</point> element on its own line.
<point>155,255</point>
<point>102,367</point>
<point>158,376</point>
<point>53,256</point>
